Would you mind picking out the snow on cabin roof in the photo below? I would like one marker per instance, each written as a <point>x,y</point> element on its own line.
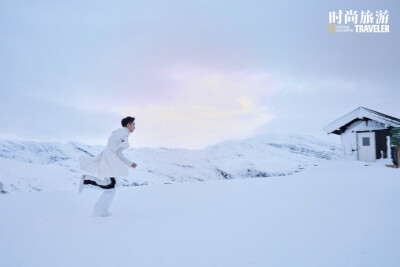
<point>338,125</point>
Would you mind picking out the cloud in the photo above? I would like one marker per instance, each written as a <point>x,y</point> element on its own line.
<point>207,106</point>
<point>39,119</point>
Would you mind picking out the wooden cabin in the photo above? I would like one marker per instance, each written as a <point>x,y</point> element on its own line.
<point>365,134</point>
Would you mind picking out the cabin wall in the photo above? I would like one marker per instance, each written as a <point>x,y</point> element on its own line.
<point>349,137</point>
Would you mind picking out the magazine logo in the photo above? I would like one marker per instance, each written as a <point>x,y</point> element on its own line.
<point>359,22</point>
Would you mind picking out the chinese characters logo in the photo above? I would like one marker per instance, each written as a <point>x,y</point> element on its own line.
<point>363,22</point>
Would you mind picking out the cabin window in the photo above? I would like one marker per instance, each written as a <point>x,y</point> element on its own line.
<point>365,141</point>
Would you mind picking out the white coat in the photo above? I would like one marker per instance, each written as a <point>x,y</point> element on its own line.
<point>110,162</point>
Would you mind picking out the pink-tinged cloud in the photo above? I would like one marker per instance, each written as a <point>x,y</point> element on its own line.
<point>207,106</point>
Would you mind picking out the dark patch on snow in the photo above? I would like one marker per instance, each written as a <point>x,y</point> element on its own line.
<point>197,179</point>
<point>9,157</point>
<point>304,151</point>
<point>84,151</point>
<point>224,174</point>
<point>253,173</point>
<point>184,166</point>
<point>2,191</point>
<point>134,184</point>
<point>34,188</point>
<point>53,159</point>
<point>162,174</point>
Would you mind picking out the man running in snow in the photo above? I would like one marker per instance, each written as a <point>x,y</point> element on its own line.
<point>108,164</point>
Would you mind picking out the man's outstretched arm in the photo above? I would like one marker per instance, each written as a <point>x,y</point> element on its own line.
<point>125,159</point>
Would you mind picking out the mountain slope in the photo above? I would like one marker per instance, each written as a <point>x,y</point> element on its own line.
<point>47,166</point>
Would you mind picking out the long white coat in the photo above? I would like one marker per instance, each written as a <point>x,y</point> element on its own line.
<point>110,162</point>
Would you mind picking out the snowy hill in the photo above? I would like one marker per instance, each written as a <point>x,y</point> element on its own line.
<point>27,166</point>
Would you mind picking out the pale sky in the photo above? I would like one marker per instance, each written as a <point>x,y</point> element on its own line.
<point>193,73</point>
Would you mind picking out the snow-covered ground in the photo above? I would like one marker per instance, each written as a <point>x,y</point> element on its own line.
<point>27,166</point>
<point>334,214</point>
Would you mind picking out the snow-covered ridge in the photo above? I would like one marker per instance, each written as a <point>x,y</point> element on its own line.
<point>46,166</point>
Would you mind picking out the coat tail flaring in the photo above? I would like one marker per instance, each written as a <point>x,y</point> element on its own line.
<point>89,164</point>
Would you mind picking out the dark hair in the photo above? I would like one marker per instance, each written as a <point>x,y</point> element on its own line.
<point>127,120</point>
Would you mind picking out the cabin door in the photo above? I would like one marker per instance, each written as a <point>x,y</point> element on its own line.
<point>366,146</point>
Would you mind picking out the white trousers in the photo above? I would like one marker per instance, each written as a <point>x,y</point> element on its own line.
<point>106,185</point>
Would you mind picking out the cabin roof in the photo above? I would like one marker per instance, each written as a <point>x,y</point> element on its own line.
<point>338,126</point>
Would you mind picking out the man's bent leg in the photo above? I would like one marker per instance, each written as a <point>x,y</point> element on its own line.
<point>105,200</point>
<point>94,182</point>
